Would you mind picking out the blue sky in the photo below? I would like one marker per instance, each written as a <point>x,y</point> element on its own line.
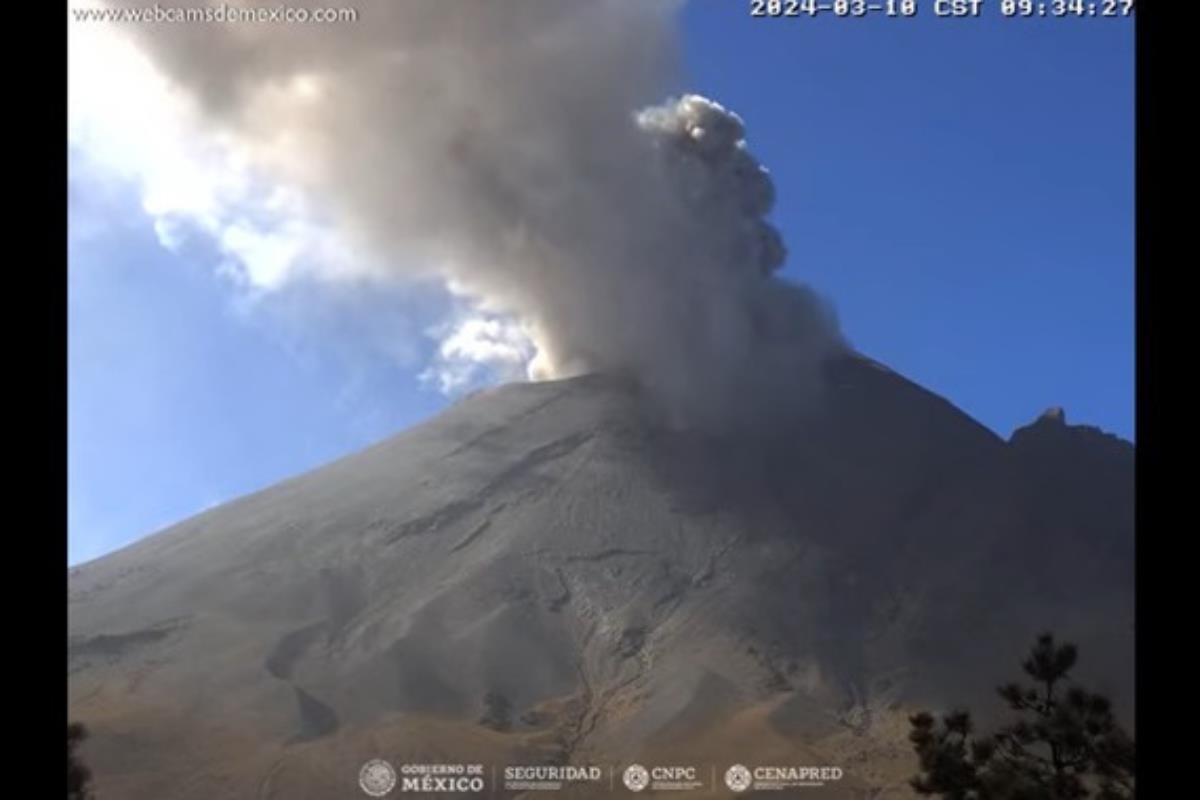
<point>961,189</point>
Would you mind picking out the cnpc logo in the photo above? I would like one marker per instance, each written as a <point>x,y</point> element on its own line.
<point>637,778</point>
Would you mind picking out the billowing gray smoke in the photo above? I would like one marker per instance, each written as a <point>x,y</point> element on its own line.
<point>522,151</point>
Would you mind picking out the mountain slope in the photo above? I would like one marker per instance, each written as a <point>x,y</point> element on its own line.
<point>544,573</point>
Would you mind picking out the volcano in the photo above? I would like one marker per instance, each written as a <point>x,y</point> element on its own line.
<point>545,574</point>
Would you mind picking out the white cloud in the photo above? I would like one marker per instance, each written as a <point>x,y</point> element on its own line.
<point>130,124</point>
<point>478,349</point>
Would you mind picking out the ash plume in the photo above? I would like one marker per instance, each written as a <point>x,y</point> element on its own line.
<point>523,153</point>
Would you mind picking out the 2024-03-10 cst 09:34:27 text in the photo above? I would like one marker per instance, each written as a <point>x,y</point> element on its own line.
<point>941,8</point>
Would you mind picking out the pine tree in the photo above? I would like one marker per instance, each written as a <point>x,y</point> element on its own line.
<point>78,775</point>
<point>1064,745</point>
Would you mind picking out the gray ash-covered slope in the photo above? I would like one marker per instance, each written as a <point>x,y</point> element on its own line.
<point>542,573</point>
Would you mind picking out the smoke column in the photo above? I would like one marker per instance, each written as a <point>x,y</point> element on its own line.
<point>529,154</point>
